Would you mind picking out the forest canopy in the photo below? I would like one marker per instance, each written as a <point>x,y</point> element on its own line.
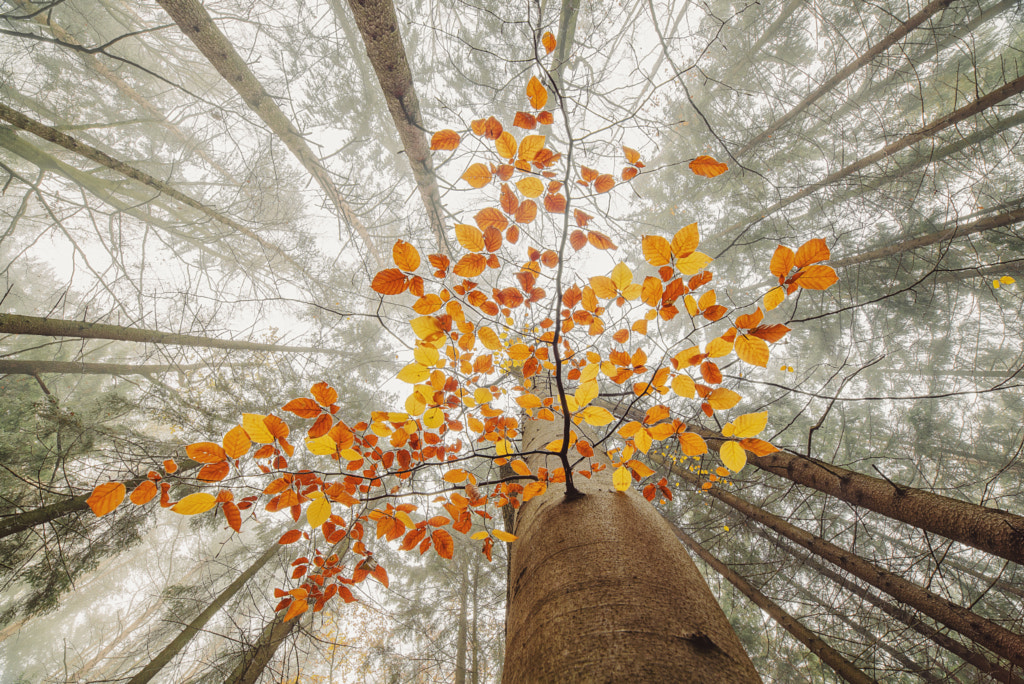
<point>332,332</point>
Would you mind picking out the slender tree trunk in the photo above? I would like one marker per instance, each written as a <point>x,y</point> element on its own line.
<point>196,23</point>
<point>256,660</point>
<point>600,590</point>
<point>460,646</point>
<point>843,667</point>
<point>998,221</point>
<point>179,642</point>
<point>913,22</point>
<point>69,143</point>
<point>988,529</point>
<point>34,367</point>
<point>904,616</point>
<point>14,324</point>
<point>476,620</point>
<point>564,41</point>
<point>985,632</point>
<point>378,25</point>
<point>981,104</point>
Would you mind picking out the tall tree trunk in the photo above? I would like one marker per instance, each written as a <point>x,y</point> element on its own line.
<point>843,667</point>
<point>255,661</point>
<point>979,105</point>
<point>460,646</point>
<point>15,324</point>
<point>601,590</point>
<point>907,618</point>
<point>192,628</point>
<point>994,637</point>
<point>853,67</point>
<point>476,620</point>
<point>378,25</point>
<point>69,143</point>
<point>196,23</point>
<point>34,367</point>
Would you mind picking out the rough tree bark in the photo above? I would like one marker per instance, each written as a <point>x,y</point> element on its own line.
<point>828,655</point>
<point>196,23</point>
<point>601,590</point>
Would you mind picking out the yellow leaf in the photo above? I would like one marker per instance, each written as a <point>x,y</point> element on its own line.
<point>691,305</point>
<point>502,535</point>
<point>693,263</point>
<point>534,489</point>
<point>750,424</point>
<point>621,479</point>
<point>773,298</point>
<point>685,241</point>
<point>641,469</point>
<point>321,446</point>
<point>350,455</point>
<point>643,441</point>
<point>657,250</point>
<point>530,187</point>
<point>477,536</point>
<point>506,145</point>
<point>482,395</point>
<point>590,372</point>
<point>433,418</point>
<point>257,430</point>
<point>477,175</point>
<point>684,386</point>
<point>733,456</point>
<point>504,447</point>
<point>722,399</point>
<point>692,444</point>
<point>426,327</point>
<point>1007,280</point>
<point>193,504</point>
<point>415,404</point>
<point>489,338</point>
<point>622,276</point>
<point>528,401</point>
<point>718,347</point>
<point>596,416</point>
<point>520,468</point>
<point>426,356</point>
<point>536,92</point>
<point>753,350</point>
<point>413,373</point>
<point>318,512</point>
<point>469,237</point>
<point>604,287</point>
<point>530,146</point>
<point>586,392</point>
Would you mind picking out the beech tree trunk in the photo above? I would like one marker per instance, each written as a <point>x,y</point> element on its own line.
<point>35,367</point>
<point>460,646</point>
<point>14,324</point>
<point>992,636</point>
<point>256,660</point>
<point>601,590</point>
<point>843,667</point>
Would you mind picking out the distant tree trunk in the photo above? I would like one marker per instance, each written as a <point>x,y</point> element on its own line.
<point>904,616</point>
<point>601,590</point>
<point>476,620</point>
<point>843,667</point>
<point>192,628</point>
<point>460,646</point>
<point>979,105</point>
<point>35,367</point>
<point>255,661</point>
<point>881,46</point>
<point>78,147</point>
<point>196,23</point>
<point>985,632</point>
<point>15,324</point>
<point>378,25</point>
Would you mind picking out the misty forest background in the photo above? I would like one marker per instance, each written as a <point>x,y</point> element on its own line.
<point>835,120</point>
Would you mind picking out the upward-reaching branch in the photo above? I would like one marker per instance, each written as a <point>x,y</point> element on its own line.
<point>196,23</point>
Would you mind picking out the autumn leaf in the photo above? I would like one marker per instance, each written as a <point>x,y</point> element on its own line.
<point>106,497</point>
<point>233,515</point>
<point>816,277</point>
<point>290,537</point>
<point>747,425</point>
<point>502,535</point>
<point>390,281</point>
<point>537,94</point>
<point>782,261</point>
<point>405,255</point>
<point>470,237</point>
<point>632,156</point>
<point>604,183</point>
<point>753,350</point>
<point>657,250</point>
<point>621,479</point>
<point>600,240</point>
<point>708,167</point>
<point>534,489</point>
<point>470,266</point>
<point>733,456</point>
<point>237,443</point>
<point>443,543</point>
<point>549,42</point>
<point>530,146</point>
<point>477,175</point>
<point>318,512</point>
<point>445,140</point>
<point>214,472</point>
<point>256,428</point>
<point>206,452</point>
<point>773,298</point>
<point>143,493</point>
<point>525,120</point>
<point>194,504</point>
<point>530,187</point>
<point>506,145</point>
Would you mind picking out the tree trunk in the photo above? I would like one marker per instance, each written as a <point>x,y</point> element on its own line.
<point>981,104</point>
<point>904,616</point>
<point>196,23</point>
<point>256,660</point>
<point>460,645</point>
<point>913,22</point>
<point>14,324</point>
<point>476,620</point>
<point>601,590</point>
<point>985,632</point>
<point>34,367</point>
<point>69,143</point>
<point>378,25</point>
<point>179,642</point>
<point>843,667</point>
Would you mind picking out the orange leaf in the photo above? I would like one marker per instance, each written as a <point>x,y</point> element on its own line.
<point>525,120</point>
<point>290,537</point>
<point>236,441</point>
<point>817,277</point>
<point>405,255</point>
<point>470,265</point>
<point>600,240</point>
<point>526,212</point>
<point>490,218</point>
<point>143,493</point>
<point>445,140</point>
<point>492,238</point>
<point>554,203</point>
<point>390,281</point>
<point>707,166</point>
<point>546,118</point>
<point>233,516</point>
<point>752,349</point>
<point>214,472</point>
<point>302,407</point>
<point>530,146</point>
<point>782,261</point>
<point>771,333</point>
<point>629,173</point>
<point>443,543</point>
<point>534,489</point>
<point>548,41</point>
<point>632,156</point>
<point>577,239</point>
<point>170,467</point>
<point>506,145</point>
<point>206,452</point>
<point>537,94</point>
<point>106,497</point>
<point>492,128</point>
<point>811,252</point>
<point>604,183</point>
<point>469,237</point>
<point>758,447</point>
<point>657,250</point>
<point>477,175</point>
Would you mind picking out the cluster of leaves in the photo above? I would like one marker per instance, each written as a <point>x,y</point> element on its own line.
<point>502,304</point>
